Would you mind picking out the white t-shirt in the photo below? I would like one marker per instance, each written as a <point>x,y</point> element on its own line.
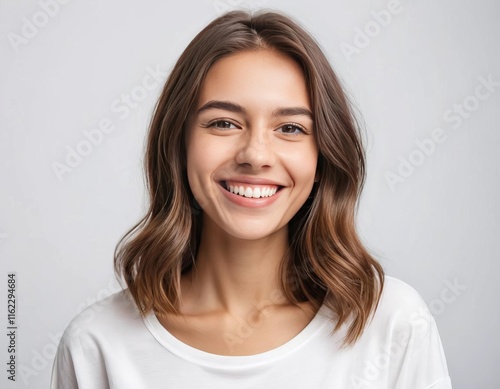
<point>109,345</point>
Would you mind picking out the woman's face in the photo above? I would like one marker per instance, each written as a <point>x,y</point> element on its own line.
<point>251,132</point>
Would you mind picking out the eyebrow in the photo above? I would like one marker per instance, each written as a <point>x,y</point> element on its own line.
<point>236,108</point>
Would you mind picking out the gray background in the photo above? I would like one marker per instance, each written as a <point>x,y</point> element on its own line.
<point>435,228</point>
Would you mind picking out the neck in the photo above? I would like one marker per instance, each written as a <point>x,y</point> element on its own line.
<point>235,275</point>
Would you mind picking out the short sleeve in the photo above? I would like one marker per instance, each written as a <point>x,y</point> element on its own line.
<point>63,370</point>
<point>419,358</point>
<point>79,362</point>
<point>424,365</point>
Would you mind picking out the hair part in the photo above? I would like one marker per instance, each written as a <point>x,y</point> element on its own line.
<point>326,261</point>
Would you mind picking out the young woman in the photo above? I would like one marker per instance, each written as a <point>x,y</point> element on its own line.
<point>247,271</point>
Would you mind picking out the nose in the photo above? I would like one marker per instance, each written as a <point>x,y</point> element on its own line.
<point>256,150</point>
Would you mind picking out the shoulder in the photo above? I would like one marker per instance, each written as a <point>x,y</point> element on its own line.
<point>103,319</point>
<point>401,308</point>
<point>402,341</point>
<point>398,295</point>
<point>98,332</point>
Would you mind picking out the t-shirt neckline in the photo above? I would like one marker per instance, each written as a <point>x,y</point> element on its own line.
<point>236,362</point>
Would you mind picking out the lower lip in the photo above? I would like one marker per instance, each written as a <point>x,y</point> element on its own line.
<point>249,201</point>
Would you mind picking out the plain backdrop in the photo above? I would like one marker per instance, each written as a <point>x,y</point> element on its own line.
<point>425,76</point>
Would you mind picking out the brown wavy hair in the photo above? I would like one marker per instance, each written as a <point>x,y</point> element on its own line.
<point>326,261</point>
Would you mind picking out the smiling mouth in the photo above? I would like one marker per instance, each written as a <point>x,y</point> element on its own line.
<point>254,191</point>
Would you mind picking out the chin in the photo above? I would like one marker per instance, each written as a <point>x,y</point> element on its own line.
<point>256,234</point>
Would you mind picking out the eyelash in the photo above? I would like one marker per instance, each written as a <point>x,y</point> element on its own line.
<point>212,124</point>
<point>298,126</point>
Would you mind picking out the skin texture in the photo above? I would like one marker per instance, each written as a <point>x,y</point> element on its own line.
<point>235,281</point>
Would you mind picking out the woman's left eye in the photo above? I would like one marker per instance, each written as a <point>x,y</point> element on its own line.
<point>291,129</point>
<point>225,124</point>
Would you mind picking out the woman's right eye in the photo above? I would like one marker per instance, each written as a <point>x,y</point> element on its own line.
<point>223,124</point>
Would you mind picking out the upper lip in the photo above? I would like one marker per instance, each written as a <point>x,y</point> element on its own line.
<point>253,180</point>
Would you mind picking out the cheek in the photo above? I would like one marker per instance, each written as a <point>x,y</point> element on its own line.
<point>202,160</point>
<point>302,163</point>
<point>193,162</point>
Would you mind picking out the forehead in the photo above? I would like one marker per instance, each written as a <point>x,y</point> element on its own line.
<point>261,79</point>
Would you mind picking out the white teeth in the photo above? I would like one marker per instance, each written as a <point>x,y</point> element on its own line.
<point>255,193</point>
